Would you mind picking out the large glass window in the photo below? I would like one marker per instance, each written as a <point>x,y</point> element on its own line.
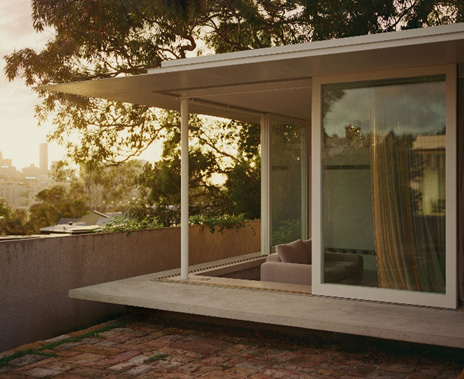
<point>383,183</point>
<point>288,186</point>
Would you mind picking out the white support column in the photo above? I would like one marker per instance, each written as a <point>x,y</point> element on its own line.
<point>265,185</point>
<point>184,190</point>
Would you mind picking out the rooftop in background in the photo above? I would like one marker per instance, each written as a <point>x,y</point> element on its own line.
<point>89,223</point>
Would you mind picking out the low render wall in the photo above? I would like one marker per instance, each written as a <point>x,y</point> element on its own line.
<point>36,274</point>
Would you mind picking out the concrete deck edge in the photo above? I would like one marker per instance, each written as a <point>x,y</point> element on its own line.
<point>389,321</point>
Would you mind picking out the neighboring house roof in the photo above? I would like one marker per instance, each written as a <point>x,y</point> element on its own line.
<point>429,143</point>
<point>93,217</point>
<point>87,224</point>
<point>70,229</point>
<point>63,221</point>
<point>243,85</point>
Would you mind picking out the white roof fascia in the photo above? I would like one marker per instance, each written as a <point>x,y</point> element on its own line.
<point>443,33</point>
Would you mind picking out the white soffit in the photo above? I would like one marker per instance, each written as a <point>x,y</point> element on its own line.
<point>245,84</point>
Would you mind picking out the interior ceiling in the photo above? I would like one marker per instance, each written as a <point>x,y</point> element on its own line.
<point>245,86</point>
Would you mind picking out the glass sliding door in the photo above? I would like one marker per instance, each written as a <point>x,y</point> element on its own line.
<point>384,187</point>
<point>288,181</point>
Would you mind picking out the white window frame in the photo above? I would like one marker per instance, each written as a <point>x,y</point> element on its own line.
<point>449,298</point>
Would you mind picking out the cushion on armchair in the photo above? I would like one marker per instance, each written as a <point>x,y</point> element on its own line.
<point>294,252</point>
<point>291,263</point>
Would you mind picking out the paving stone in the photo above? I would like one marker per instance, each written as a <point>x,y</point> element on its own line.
<point>26,360</point>
<point>91,329</point>
<point>66,346</point>
<point>214,361</point>
<point>87,372</point>
<point>5,369</point>
<point>137,360</point>
<point>140,369</point>
<point>278,355</point>
<point>90,340</point>
<point>112,333</point>
<point>56,339</point>
<point>84,359</point>
<point>100,350</point>
<point>165,375</point>
<point>308,360</point>
<point>49,363</point>
<point>41,372</point>
<point>203,346</point>
<point>282,373</point>
<point>122,357</point>
<point>29,346</point>
<point>66,353</point>
<point>386,374</point>
<point>229,374</point>
<point>336,369</point>
<point>363,370</point>
<point>254,365</point>
<point>451,374</point>
<point>123,352</point>
<point>420,375</point>
<point>392,367</point>
<point>302,369</point>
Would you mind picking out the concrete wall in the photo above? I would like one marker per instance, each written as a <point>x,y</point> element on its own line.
<point>36,274</point>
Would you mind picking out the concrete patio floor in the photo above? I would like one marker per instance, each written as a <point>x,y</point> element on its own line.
<point>149,347</point>
<point>254,301</point>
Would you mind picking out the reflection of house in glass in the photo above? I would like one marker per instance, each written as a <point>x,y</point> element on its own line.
<point>431,152</point>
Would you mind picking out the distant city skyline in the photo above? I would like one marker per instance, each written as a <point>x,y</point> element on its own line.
<point>20,135</point>
<point>43,166</point>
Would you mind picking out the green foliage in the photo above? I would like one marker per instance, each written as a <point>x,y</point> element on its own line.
<point>157,357</point>
<point>122,224</point>
<point>4,209</point>
<point>15,223</point>
<point>219,223</point>
<point>4,361</point>
<point>107,38</point>
<point>229,149</point>
<point>288,231</point>
<point>53,204</point>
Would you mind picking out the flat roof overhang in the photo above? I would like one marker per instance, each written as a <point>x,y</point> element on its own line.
<point>244,85</point>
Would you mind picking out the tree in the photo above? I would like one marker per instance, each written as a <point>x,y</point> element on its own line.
<point>231,154</point>
<point>106,38</point>
<point>103,188</point>
<point>15,223</point>
<point>4,209</point>
<point>52,205</point>
<point>109,38</point>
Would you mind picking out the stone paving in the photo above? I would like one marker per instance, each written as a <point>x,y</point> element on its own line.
<point>133,347</point>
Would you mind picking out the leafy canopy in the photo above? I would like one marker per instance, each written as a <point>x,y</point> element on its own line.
<point>94,39</point>
<point>107,38</point>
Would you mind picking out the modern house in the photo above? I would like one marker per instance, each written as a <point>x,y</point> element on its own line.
<point>362,151</point>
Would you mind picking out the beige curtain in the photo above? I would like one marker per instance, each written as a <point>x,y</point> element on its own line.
<point>409,247</point>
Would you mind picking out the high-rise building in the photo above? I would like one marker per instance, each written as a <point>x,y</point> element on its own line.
<point>43,162</point>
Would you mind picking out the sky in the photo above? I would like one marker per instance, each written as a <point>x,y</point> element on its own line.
<point>20,135</point>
